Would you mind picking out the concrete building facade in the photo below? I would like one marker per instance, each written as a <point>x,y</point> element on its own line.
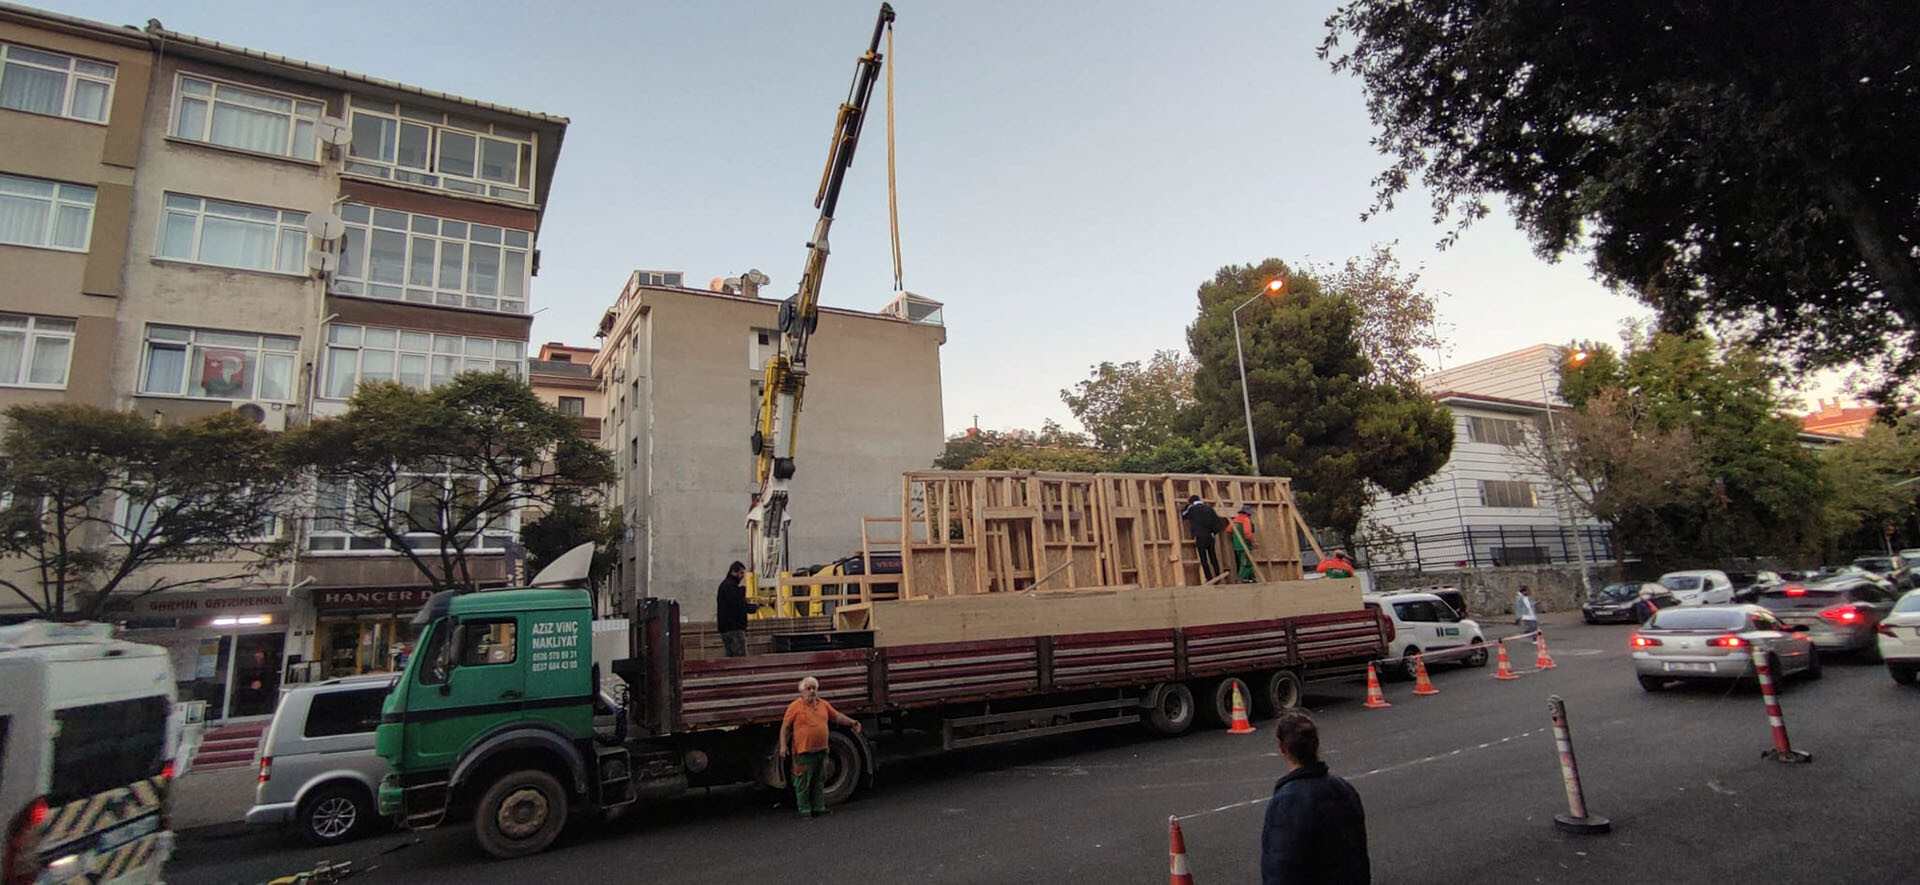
<point>681,371</point>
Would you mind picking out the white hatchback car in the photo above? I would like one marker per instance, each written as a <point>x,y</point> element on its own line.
<point>1699,586</point>
<point>1900,639</point>
<point>1424,624</point>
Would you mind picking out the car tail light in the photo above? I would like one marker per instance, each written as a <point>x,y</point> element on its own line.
<point>18,867</point>
<point>1794,590</point>
<point>166,771</point>
<point>1644,641</point>
<point>266,768</point>
<point>1727,642</point>
<point>1841,614</point>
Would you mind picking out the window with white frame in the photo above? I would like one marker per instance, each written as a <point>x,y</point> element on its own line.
<point>136,518</point>
<point>35,351</point>
<point>421,504</point>
<point>42,82</point>
<point>211,364</point>
<point>1497,431</point>
<point>658,277</point>
<point>1507,493</point>
<point>430,260</point>
<point>416,359</point>
<point>438,150</point>
<point>249,119</point>
<point>208,231</point>
<point>49,214</point>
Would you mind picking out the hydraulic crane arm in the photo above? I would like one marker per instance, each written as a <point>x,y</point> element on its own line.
<point>785,374</point>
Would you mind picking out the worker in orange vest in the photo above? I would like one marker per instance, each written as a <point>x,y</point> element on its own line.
<point>1242,528</point>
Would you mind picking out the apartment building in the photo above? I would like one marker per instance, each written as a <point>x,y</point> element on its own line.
<point>681,372</point>
<point>562,377</point>
<point>264,234</point>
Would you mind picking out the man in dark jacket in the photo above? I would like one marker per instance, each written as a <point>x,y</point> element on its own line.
<point>1316,831</point>
<point>1203,522</point>
<point>732,609</point>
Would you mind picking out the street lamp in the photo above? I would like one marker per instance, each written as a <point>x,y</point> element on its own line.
<point>1272,289</point>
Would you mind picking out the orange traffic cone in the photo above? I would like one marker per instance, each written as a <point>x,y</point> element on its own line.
<point>1541,659</point>
<point>1177,855</point>
<point>1375,699</point>
<point>1240,725</point>
<point>1506,666</point>
<point>1422,686</point>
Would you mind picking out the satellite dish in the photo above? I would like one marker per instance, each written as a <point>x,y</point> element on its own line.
<point>334,131</point>
<point>322,260</point>
<point>757,278</point>
<point>326,226</point>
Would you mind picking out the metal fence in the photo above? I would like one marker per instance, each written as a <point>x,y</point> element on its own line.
<point>1478,546</point>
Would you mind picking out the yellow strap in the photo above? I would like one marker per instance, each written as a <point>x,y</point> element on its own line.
<point>893,194</point>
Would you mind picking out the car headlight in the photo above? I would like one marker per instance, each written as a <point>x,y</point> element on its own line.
<point>70,867</point>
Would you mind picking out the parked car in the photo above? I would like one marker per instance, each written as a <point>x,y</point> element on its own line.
<point>1840,613</point>
<point>1829,572</point>
<point>1448,594</point>
<point>1699,586</point>
<point>1717,642</point>
<point>1421,623</point>
<point>1893,568</point>
<point>1613,604</point>
<point>1899,639</point>
<point>1749,585</point>
<point>1910,558</point>
<point>318,770</point>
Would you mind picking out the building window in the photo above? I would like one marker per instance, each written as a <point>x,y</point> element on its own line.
<point>573,406</point>
<point>42,82</point>
<point>35,212</point>
<point>1507,493</point>
<point>429,260</point>
<point>1498,431</point>
<point>206,231</point>
<point>248,119</point>
<point>438,150</point>
<point>416,359</point>
<point>218,365</point>
<point>136,519</point>
<point>34,351</point>
<point>658,277</point>
<point>415,507</point>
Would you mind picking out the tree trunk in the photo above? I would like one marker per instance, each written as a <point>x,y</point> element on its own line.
<point>1890,261</point>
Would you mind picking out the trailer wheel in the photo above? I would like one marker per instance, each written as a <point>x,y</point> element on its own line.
<point>1283,691</point>
<point>1172,710</point>
<point>521,814</point>
<point>844,768</point>
<point>1218,709</point>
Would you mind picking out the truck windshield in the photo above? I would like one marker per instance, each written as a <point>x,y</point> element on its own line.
<point>99,747</point>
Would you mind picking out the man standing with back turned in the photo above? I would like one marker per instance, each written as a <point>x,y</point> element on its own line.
<point>731,609</point>
<point>1316,830</point>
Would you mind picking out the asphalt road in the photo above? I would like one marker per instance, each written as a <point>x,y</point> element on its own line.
<point>1461,787</point>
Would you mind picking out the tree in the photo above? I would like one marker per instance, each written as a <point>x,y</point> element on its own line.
<point>1870,488</point>
<point>1133,406</point>
<point>1613,460</point>
<point>1747,167</point>
<point>1396,326</point>
<point>1182,455</point>
<point>437,474</point>
<point>571,521</point>
<point>99,504</point>
<point>1316,417</point>
<point>1049,458</point>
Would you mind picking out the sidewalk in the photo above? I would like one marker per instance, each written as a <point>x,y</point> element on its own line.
<point>215,801</point>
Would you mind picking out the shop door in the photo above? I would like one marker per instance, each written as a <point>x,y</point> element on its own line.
<point>255,686</point>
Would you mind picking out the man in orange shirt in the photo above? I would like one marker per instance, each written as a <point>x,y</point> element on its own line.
<point>806,722</point>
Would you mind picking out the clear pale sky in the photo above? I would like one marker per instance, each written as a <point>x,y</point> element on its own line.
<point>1069,173</point>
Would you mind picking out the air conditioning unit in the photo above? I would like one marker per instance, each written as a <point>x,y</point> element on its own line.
<point>272,416</point>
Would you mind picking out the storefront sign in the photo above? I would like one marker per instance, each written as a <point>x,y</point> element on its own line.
<point>205,603</point>
<point>371,599</point>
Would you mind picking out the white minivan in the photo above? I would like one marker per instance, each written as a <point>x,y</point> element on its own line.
<point>1420,623</point>
<point>1703,586</point>
<point>84,755</point>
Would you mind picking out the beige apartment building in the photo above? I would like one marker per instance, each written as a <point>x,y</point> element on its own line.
<point>264,234</point>
<point>681,370</point>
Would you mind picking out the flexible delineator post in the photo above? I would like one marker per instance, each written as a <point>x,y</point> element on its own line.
<point>1783,750</point>
<point>1576,820</point>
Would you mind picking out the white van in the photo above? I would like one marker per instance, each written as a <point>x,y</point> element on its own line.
<point>1703,586</point>
<point>1420,623</point>
<point>84,755</point>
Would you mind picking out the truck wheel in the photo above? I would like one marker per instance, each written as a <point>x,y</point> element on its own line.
<point>334,814</point>
<point>521,814</point>
<point>1172,712</point>
<point>1218,710</point>
<point>845,768</point>
<point>1283,691</point>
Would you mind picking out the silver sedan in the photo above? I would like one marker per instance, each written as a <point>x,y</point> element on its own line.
<point>1717,642</point>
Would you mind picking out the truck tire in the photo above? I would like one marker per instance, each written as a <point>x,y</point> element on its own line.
<point>844,770</point>
<point>1217,708</point>
<point>1282,691</point>
<point>521,814</point>
<point>1172,711</point>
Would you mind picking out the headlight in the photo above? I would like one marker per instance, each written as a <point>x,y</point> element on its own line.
<point>64,869</point>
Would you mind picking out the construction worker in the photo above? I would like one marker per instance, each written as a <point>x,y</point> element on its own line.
<point>731,609</point>
<point>1205,524</point>
<point>1241,527</point>
<point>1336,565</point>
<point>804,736</point>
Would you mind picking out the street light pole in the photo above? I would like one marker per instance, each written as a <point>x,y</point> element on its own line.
<point>1272,289</point>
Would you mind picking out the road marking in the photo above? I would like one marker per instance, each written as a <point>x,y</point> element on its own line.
<point>1381,770</point>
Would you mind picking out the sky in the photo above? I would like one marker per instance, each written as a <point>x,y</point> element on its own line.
<point>1068,172</point>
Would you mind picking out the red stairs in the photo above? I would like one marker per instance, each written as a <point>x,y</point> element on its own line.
<point>229,746</point>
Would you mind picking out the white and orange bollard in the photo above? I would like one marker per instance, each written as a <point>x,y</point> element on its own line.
<point>1177,855</point>
<point>1783,750</point>
<point>1576,820</point>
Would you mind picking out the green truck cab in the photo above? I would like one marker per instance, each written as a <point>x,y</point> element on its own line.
<point>495,715</point>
